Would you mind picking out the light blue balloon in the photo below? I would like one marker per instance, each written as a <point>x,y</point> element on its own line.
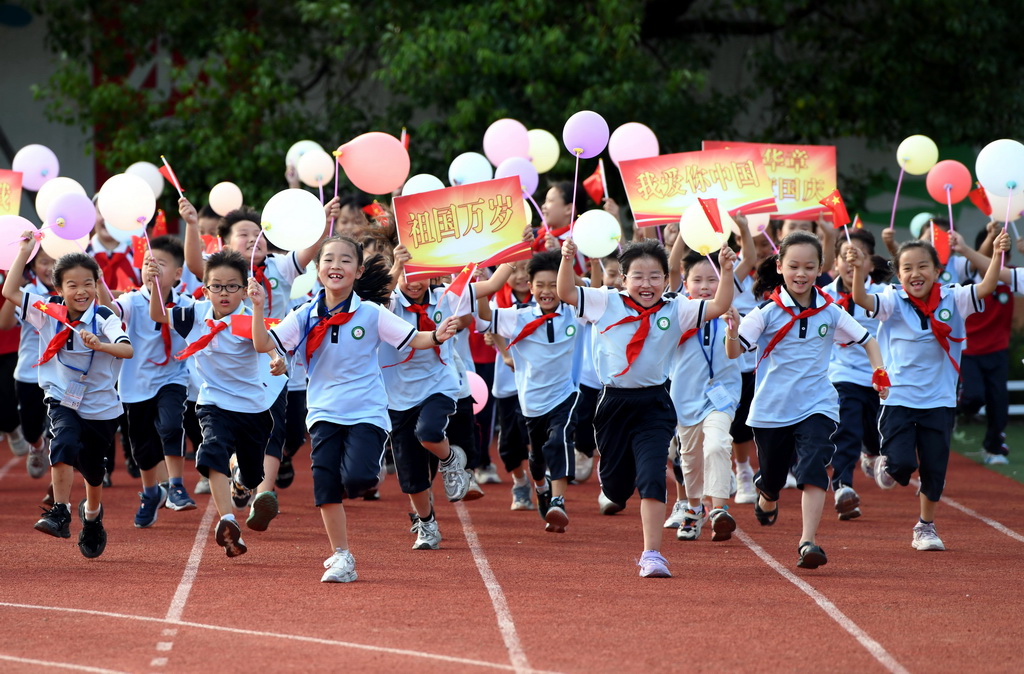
<point>468,168</point>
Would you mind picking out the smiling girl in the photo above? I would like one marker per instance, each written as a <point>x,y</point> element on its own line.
<point>793,332</point>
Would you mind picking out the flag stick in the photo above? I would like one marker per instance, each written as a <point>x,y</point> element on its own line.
<point>156,279</point>
<point>181,195</point>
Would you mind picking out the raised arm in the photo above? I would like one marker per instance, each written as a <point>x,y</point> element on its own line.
<point>733,348</point>
<point>12,283</point>
<point>828,245</point>
<point>498,279</point>
<point>747,248</point>
<point>889,239</point>
<point>7,318</point>
<point>859,292</point>
<point>566,284</point>
<point>306,255</point>
<point>977,259</point>
<point>261,340</point>
<point>723,296</point>
<point>991,280</point>
<point>156,309</point>
<point>675,261</point>
<point>193,242</point>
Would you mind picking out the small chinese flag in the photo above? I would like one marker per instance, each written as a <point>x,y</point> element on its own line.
<point>241,325</point>
<point>594,186</point>
<point>459,283</point>
<point>940,240</point>
<point>710,207</point>
<point>979,198</point>
<point>58,311</point>
<point>405,139</point>
<point>122,281</point>
<point>160,227</point>
<point>139,250</point>
<point>834,203</point>
<point>374,210</point>
<point>168,173</point>
<point>211,244</point>
<point>857,222</point>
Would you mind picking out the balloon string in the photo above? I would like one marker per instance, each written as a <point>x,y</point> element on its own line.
<point>1006,223</point>
<point>771,242</point>
<point>529,197</point>
<point>252,260</point>
<point>895,197</point>
<point>949,204</point>
<point>575,182</point>
<point>156,279</point>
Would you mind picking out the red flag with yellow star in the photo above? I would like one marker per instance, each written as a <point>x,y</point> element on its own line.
<point>834,202</point>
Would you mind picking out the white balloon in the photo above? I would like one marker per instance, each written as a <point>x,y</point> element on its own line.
<point>225,197</point>
<point>302,285</point>
<point>999,203</point>
<point>315,168</point>
<point>421,182</point>
<point>296,151</point>
<point>697,232</point>
<point>57,247</point>
<point>150,173</point>
<point>293,219</point>
<point>126,202</point>
<point>468,168</point>
<point>52,189</point>
<point>597,233</point>
<point>1000,167</point>
<point>758,222</point>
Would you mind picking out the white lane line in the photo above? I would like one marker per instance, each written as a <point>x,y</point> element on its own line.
<point>873,647</point>
<point>1001,528</point>
<point>271,635</point>
<point>505,624</point>
<point>177,607</point>
<point>158,662</point>
<point>10,464</point>
<point>58,665</point>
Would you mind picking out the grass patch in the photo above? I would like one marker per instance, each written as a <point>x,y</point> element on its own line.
<point>967,440</point>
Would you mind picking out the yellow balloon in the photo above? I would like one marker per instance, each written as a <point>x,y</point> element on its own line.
<point>529,212</point>
<point>917,154</point>
<point>697,232</point>
<point>544,149</point>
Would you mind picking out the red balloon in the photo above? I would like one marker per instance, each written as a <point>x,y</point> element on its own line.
<point>952,176</point>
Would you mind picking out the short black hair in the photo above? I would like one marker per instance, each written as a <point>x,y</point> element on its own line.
<point>207,212</point>
<point>171,246</point>
<point>564,187</point>
<point>546,261</point>
<point>917,243</point>
<point>693,259</point>
<point>235,216</point>
<point>863,235</point>
<point>643,248</point>
<point>70,261</point>
<point>227,258</point>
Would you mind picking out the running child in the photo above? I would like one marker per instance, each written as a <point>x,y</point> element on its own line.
<point>78,372</point>
<point>635,419</point>
<point>922,334</point>
<point>795,408</point>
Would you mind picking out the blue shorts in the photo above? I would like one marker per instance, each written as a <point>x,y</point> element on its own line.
<point>551,441</point>
<point>917,440</point>
<point>416,466</point>
<point>808,440</point>
<point>156,426</point>
<point>346,460</point>
<point>81,443</point>
<point>244,434</point>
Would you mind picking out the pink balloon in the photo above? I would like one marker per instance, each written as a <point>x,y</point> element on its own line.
<point>478,389</point>
<point>506,138</point>
<point>953,174</point>
<point>375,162</point>
<point>632,141</point>
<point>522,169</point>
<point>585,134</point>
<point>37,164</point>
<point>11,228</point>
<point>71,216</point>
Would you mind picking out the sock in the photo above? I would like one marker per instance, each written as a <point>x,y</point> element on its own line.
<point>67,505</point>
<point>229,516</point>
<point>697,510</point>
<point>177,482</point>
<point>151,492</point>
<point>743,466</point>
<point>91,515</point>
<point>542,488</point>
<point>340,551</point>
<point>451,457</point>
<point>923,522</point>
<point>428,518</point>
<point>519,481</point>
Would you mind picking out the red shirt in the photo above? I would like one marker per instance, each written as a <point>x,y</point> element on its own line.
<point>9,339</point>
<point>989,331</point>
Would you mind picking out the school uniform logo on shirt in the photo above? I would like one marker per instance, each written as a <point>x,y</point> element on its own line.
<point>823,330</point>
<point>944,315</point>
<point>1003,298</point>
<point>664,323</point>
<point>946,277</point>
<point>358,332</point>
<point>570,331</point>
<point>437,316</point>
<point>273,283</point>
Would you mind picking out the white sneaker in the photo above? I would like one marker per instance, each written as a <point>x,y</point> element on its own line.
<point>847,503</point>
<point>693,522</point>
<point>790,481</point>
<point>341,568</point>
<point>675,518</point>
<point>38,461</point>
<point>203,486</point>
<point>882,478</point>
<point>584,466</point>
<point>19,445</point>
<point>454,475</point>
<point>521,496</point>
<point>745,492</point>
<point>474,492</point>
<point>925,537</point>
<point>428,536</point>
<point>608,506</point>
<point>867,465</point>
<point>996,459</point>
<point>733,485</point>
<point>488,475</point>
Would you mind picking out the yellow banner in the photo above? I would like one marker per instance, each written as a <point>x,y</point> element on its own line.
<point>10,192</point>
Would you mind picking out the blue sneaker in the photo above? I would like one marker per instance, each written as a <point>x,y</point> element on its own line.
<point>148,509</point>
<point>178,499</point>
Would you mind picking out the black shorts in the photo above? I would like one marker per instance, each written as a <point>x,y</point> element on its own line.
<point>156,426</point>
<point>81,443</point>
<point>584,439</point>
<point>295,423</point>
<point>410,428</point>
<point>551,441</point>
<point>346,460</point>
<point>513,436</point>
<point>279,412</point>
<point>739,430</point>
<point>913,439</point>
<point>31,410</point>
<point>808,440</point>
<point>244,434</point>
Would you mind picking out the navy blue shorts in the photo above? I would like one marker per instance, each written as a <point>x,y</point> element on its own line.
<point>809,441</point>
<point>913,439</point>
<point>634,427</point>
<point>416,466</point>
<point>156,426</point>
<point>295,424</point>
<point>513,436</point>
<point>739,430</point>
<point>551,441</point>
<point>583,437</point>
<point>346,460</point>
<point>31,410</point>
<point>81,443</point>
<point>244,434</point>
<point>858,429</point>
<point>279,412</point>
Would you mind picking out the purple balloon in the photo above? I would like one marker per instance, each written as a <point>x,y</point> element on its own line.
<point>71,216</point>
<point>37,164</point>
<point>522,169</point>
<point>585,134</point>
<point>506,138</point>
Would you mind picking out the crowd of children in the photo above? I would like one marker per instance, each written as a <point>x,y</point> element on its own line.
<point>653,361</point>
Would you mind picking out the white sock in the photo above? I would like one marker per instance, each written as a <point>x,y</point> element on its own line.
<point>229,516</point>
<point>520,480</point>
<point>91,515</point>
<point>743,466</point>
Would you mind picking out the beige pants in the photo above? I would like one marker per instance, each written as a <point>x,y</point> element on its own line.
<point>704,456</point>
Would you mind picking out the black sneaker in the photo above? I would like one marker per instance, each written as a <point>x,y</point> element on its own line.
<point>556,519</point>
<point>229,537</point>
<point>132,467</point>
<point>107,484</point>
<point>544,502</point>
<point>285,474</point>
<point>56,521</point>
<point>92,541</point>
<point>240,494</point>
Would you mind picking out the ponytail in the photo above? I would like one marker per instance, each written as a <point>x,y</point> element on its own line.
<point>767,278</point>
<point>882,271</point>
<point>375,283</point>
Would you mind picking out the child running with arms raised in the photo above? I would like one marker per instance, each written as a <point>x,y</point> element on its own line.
<point>635,418</point>
<point>339,333</point>
<point>77,371</point>
<point>795,408</point>
<point>922,334</point>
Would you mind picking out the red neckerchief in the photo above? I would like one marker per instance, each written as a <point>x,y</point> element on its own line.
<point>939,329</point>
<point>793,318</point>
<point>57,343</point>
<point>844,298</point>
<point>110,263</point>
<point>686,335</point>
<point>505,299</point>
<point>425,323</point>
<point>261,278</point>
<point>200,344</point>
<point>531,327</point>
<point>165,335</point>
<point>319,331</point>
<point>636,343</point>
